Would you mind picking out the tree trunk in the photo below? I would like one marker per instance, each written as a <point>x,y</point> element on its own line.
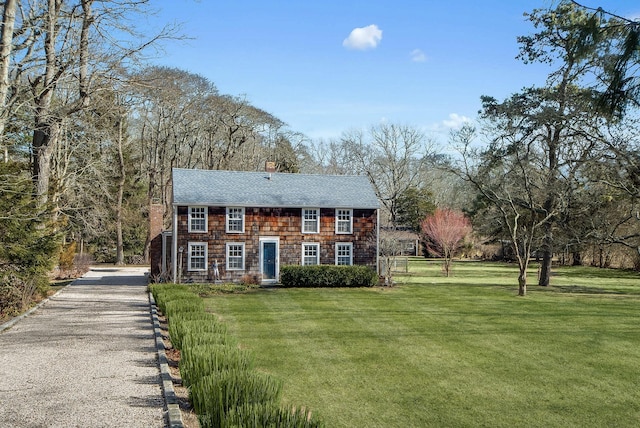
<point>522,282</point>
<point>45,131</point>
<point>119,240</point>
<point>121,182</point>
<point>447,261</point>
<point>577,258</point>
<point>600,257</point>
<point>44,141</point>
<point>547,255</point>
<point>47,122</point>
<point>147,250</point>
<point>6,45</point>
<point>545,269</point>
<point>447,266</point>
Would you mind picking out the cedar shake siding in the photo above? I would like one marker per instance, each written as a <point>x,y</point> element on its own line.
<point>252,223</point>
<point>283,223</point>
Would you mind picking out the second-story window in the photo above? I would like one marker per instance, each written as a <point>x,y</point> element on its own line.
<point>235,220</point>
<point>197,219</point>
<point>310,220</point>
<point>344,221</point>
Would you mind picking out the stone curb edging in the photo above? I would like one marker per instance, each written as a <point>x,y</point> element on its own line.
<point>174,416</point>
<point>40,304</point>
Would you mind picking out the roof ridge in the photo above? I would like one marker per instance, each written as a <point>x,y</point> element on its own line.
<point>265,172</point>
<point>257,188</point>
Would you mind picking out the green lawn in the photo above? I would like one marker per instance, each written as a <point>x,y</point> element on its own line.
<point>463,351</point>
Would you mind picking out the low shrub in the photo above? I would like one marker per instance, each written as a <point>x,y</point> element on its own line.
<point>11,296</point>
<point>205,317</point>
<point>67,255</point>
<point>163,293</point>
<point>250,279</point>
<point>182,305</point>
<point>17,294</point>
<point>70,264</point>
<point>191,339</point>
<point>327,276</point>
<point>216,395</point>
<point>208,290</point>
<point>193,323</point>
<point>199,361</point>
<point>82,263</point>
<point>270,415</point>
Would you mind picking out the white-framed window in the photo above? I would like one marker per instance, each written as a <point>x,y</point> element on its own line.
<point>235,220</point>
<point>310,220</point>
<point>344,253</point>
<point>310,253</point>
<point>235,255</point>
<point>344,221</point>
<point>197,256</point>
<point>197,219</point>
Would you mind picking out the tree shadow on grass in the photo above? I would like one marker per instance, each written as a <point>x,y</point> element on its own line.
<point>581,289</point>
<point>594,272</point>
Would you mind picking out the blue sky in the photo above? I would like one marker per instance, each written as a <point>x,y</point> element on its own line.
<point>325,66</point>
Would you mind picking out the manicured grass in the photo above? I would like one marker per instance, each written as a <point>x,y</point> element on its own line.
<point>463,351</point>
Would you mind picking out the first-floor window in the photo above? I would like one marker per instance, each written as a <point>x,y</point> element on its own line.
<point>344,253</point>
<point>197,256</point>
<point>310,254</point>
<point>235,256</point>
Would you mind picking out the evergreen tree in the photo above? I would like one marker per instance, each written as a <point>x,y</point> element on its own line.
<point>28,242</point>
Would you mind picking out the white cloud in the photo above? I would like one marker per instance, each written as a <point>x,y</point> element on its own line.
<point>363,38</point>
<point>418,56</point>
<point>455,121</point>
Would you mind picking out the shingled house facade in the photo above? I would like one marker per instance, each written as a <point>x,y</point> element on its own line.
<point>248,224</point>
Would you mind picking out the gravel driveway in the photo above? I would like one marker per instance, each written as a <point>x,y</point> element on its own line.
<point>87,358</point>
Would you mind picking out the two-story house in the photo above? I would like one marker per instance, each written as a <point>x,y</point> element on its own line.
<point>248,224</point>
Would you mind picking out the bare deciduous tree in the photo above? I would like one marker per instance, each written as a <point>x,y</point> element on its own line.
<point>508,187</point>
<point>389,248</point>
<point>392,156</point>
<point>65,50</point>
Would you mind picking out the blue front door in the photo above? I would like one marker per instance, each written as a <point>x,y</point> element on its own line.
<point>269,260</point>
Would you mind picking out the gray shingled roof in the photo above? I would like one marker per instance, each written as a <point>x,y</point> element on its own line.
<point>255,189</point>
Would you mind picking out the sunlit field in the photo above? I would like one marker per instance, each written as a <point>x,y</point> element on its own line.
<point>459,351</point>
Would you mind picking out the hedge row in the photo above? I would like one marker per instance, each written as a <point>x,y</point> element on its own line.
<point>224,388</point>
<point>327,276</point>
<point>163,293</point>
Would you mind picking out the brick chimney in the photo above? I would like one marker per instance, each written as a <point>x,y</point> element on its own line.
<point>156,220</point>
<point>269,167</point>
